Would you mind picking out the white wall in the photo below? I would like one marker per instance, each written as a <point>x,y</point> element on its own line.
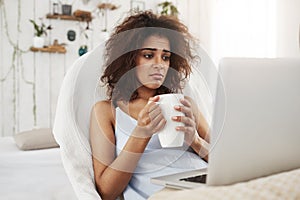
<point>288,28</point>
<point>30,82</point>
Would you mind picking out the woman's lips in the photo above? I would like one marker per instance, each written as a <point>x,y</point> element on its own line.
<point>157,76</point>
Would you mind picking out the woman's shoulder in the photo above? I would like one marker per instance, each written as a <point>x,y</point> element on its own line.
<point>104,104</point>
<point>102,120</point>
<point>104,109</point>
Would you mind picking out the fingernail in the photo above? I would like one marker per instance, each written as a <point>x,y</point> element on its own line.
<point>177,107</point>
<point>174,118</point>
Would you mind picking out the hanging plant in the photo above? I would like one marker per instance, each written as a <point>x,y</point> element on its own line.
<point>16,69</point>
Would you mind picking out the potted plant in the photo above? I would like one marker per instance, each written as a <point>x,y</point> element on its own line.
<point>168,8</point>
<point>40,31</point>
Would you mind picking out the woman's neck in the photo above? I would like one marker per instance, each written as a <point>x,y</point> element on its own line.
<point>135,106</point>
<point>145,93</point>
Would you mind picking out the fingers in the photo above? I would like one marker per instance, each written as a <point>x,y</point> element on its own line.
<point>185,108</point>
<point>188,119</point>
<point>151,116</point>
<point>153,99</point>
<point>158,122</point>
<point>186,129</point>
<point>143,117</point>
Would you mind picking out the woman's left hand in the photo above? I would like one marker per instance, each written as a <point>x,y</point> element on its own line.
<point>188,120</point>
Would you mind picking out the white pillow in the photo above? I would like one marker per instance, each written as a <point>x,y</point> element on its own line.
<point>35,139</point>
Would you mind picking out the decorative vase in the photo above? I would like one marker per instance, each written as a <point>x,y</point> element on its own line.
<point>66,9</point>
<point>38,42</point>
<point>82,50</point>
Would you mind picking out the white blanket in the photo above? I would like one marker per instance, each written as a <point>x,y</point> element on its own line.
<point>32,175</point>
<point>276,187</point>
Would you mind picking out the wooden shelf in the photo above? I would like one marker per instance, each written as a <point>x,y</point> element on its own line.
<point>68,17</point>
<point>50,49</point>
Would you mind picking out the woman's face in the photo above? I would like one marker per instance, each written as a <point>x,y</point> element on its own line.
<point>153,61</point>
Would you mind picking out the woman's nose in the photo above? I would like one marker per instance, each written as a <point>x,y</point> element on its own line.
<point>158,66</point>
<point>158,63</point>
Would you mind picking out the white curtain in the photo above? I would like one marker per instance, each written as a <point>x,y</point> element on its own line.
<point>238,28</point>
<point>244,28</point>
<point>228,28</point>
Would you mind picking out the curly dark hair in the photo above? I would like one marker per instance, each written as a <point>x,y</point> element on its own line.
<point>124,44</point>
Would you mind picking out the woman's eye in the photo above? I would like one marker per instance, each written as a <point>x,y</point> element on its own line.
<point>166,58</point>
<point>148,55</point>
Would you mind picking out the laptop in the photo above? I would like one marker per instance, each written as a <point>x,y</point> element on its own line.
<point>255,129</point>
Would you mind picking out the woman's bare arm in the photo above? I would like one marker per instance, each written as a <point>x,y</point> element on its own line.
<point>112,174</point>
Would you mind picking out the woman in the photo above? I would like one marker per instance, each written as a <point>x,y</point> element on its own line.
<point>147,55</point>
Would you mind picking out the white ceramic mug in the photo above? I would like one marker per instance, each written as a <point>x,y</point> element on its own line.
<point>168,136</point>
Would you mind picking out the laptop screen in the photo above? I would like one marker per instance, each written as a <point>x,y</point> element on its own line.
<point>255,129</point>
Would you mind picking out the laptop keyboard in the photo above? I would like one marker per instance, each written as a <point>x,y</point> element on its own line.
<point>197,179</point>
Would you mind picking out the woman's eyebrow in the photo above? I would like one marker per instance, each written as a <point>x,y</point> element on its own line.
<point>154,49</point>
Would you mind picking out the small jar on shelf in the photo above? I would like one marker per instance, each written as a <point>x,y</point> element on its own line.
<point>55,7</point>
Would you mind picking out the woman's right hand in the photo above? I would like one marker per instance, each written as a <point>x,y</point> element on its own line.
<point>150,119</point>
